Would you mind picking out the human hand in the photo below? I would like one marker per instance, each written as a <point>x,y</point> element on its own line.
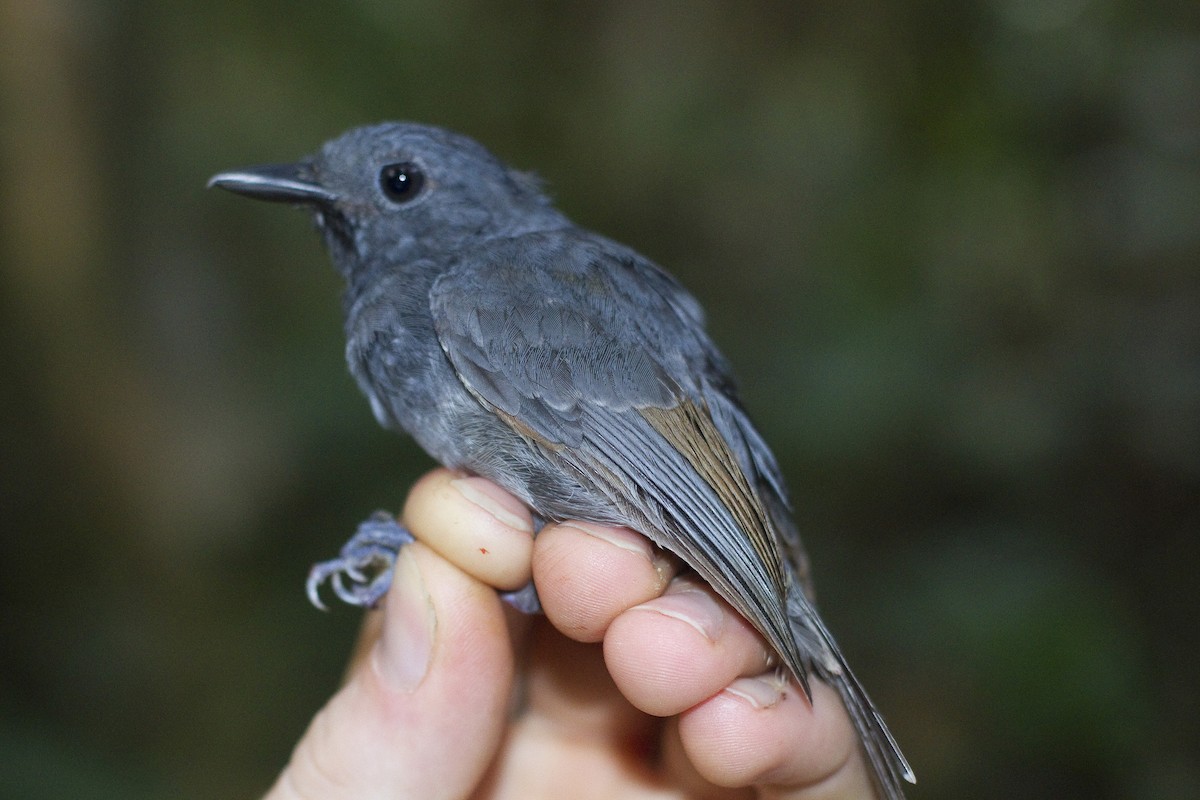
<point>637,682</point>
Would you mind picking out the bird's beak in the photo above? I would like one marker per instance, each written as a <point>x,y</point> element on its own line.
<point>280,183</point>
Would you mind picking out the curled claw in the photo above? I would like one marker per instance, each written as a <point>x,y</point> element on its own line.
<point>312,587</point>
<point>362,572</point>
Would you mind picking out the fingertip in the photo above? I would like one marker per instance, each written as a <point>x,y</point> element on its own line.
<point>678,649</point>
<point>589,574</point>
<point>759,731</point>
<point>474,524</point>
<point>621,538</point>
<point>508,510</point>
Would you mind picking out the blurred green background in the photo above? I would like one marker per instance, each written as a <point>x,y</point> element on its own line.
<point>952,248</point>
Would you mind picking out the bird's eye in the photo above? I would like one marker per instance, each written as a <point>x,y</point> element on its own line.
<point>401,182</point>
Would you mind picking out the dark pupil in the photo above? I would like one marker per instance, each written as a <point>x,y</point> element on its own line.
<point>401,182</point>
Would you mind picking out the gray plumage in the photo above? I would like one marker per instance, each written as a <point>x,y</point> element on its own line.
<point>565,367</point>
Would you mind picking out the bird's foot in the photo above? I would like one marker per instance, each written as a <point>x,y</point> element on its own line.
<point>524,599</point>
<point>362,572</point>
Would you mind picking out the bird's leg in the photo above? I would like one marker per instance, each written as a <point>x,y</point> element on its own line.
<point>366,560</point>
<point>526,599</point>
<point>362,572</point>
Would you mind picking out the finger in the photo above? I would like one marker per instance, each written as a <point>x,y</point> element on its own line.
<point>576,737</point>
<point>672,652</point>
<point>589,574</point>
<point>570,693</point>
<point>677,770</point>
<point>474,524</point>
<point>763,732</point>
<point>421,715</point>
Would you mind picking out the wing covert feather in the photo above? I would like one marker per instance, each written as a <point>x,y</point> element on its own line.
<point>598,358</point>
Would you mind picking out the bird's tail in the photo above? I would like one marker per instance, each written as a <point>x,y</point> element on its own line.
<point>888,764</point>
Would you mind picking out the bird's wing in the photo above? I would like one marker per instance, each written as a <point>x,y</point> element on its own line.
<point>599,360</point>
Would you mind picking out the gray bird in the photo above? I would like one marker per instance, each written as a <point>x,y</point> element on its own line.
<point>513,344</point>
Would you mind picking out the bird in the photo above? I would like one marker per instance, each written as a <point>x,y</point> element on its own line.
<point>577,374</point>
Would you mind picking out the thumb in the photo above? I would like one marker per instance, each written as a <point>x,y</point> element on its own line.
<point>422,712</point>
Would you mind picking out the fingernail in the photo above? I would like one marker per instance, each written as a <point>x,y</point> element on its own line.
<point>763,691</point>
<point>624,539</point>
<point>492,499</point>
<point>404,651</point>
<point>690,605</point>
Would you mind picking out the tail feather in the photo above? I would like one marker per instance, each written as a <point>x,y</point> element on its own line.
<point>890,768</point>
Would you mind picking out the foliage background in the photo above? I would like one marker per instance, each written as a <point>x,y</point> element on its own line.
<point>952,248</point>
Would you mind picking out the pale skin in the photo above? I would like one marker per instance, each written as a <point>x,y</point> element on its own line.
<point>636,683</point>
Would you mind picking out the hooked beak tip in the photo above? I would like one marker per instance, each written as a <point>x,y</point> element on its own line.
<point>285,183</point>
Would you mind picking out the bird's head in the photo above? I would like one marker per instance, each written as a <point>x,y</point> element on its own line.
<point>401,191</point>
